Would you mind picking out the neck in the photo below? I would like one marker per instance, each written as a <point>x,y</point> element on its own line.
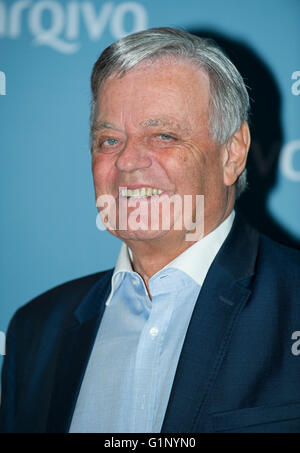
<point>151,256</point>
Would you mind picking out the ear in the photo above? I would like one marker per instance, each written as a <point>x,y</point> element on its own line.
<point>235,154</point>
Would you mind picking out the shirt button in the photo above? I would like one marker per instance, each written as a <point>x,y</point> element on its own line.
<point>153,331</point>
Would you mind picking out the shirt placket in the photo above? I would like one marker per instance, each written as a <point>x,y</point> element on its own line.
<point>148,364</point>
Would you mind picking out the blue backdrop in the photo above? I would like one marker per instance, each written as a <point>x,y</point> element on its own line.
<point>47,49</point>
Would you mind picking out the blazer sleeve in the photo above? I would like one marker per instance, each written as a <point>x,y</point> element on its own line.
<point>9,377</point>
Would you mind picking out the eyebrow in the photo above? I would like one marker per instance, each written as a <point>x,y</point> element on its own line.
<point>102,125</point>
<point>152,122</point>
<point>158,122</point>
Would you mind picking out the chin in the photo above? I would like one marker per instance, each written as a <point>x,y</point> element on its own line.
<point>139,235</point>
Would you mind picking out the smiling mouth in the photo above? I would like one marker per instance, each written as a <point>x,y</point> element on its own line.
<point>142,192</point>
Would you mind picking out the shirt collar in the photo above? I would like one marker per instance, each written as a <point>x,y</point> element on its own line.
<point>122,266</point>
<point>123,263</point>
<point>195,261</point>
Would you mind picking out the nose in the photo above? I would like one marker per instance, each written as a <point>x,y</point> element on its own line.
<point>134,156</point>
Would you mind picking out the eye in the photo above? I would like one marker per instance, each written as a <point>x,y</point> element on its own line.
<point>166,137</point>
<point>110,142</point>
<point>107,144</point>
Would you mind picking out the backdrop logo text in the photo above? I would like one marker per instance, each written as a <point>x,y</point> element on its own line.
<point>296,85</point>
<point>2,83</point>
<point>2,343</point>
<point>57,24</point>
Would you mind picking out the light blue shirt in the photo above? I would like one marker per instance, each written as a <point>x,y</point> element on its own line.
<point>130,373</point>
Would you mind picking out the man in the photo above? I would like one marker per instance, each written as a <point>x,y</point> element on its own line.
<point>186,334</point>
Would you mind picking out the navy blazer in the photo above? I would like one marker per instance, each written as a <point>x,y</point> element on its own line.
<point>239,368</point>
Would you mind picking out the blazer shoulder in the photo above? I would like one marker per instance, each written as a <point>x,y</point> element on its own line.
<point>60,300</point>
<point>279,266</point>
<point>280,255</point>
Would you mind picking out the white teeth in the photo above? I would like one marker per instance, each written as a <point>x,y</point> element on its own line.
<point>142,192</point>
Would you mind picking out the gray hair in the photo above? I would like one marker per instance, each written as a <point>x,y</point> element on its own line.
<point>229,97</point>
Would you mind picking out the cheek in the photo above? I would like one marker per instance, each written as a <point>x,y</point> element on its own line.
<point>196,169</point>
<point>184,170</point>
<point>102,172</point>
<point>193,163</point>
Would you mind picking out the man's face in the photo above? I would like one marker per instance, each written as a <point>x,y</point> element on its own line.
<point>152,132</point>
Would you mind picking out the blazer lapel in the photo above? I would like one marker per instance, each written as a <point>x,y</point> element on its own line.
<point>221,300</point>
<point>76,345</point>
